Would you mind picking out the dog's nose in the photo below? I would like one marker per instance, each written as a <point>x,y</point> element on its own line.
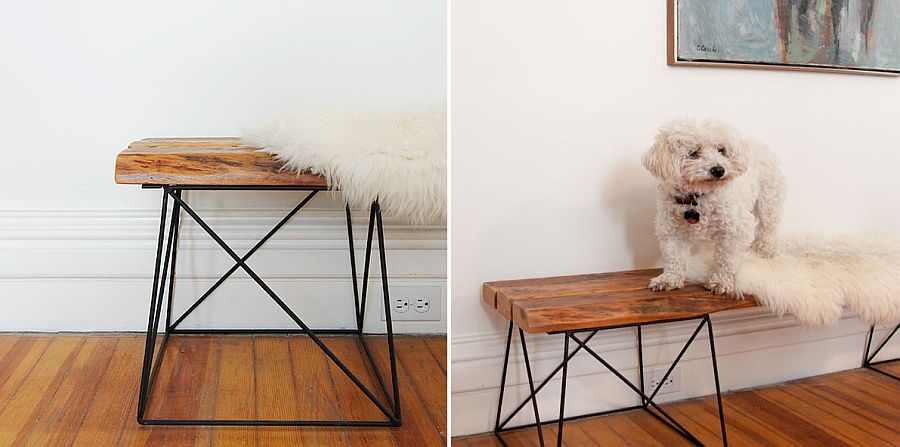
<point>717,171</point>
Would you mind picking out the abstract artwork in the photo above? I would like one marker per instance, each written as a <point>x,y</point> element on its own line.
<point>861,35</point>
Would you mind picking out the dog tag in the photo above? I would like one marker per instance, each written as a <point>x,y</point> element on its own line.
<point>692,216</point>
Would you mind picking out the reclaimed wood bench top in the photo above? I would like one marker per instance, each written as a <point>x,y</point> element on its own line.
<point>210,161</point>
<point>599,300</point>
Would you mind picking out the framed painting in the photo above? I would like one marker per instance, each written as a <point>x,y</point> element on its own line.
<point>861,36</point>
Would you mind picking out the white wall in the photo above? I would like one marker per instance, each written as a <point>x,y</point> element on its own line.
<point>553,103</point>
<point>80,80</point>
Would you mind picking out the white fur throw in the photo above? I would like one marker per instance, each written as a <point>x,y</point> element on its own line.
<point>400,158</point>
<point>814,278</point>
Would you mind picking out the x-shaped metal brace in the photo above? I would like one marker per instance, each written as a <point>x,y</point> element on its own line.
<point>164,273</point>
<point>647,402</point>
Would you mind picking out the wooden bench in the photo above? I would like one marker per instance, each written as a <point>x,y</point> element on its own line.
<point>572,305</point>
<point>212,161</point>
<point>178,164</point>
<point>599,300</point>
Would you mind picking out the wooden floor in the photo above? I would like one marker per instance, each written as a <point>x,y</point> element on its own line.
<point>82,390</point>
<point>853,408</point>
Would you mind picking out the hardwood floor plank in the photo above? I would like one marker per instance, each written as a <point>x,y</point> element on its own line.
<point>193,389</point>
<point>476,441</point>
<point>853,403</point>
<point>864,392</point>
<point>17,364</point>
<point>856,419</point>
<point>641,422</point>
<point>782,420</point>
<point>573,436</point>
<point>701,417</point>
<point>429,430</point>
<point>524,438</point>
<point>438,348</point>
<point>891,367</point>
<point>109,411</point>
<point>317,397</point>
<point>134,434</point>
<point>6,345</point>
<point>59,422</point>
<point>32,396</point>
<point>276,397</point>
<point>811,413</point>
<point>429,380</point>
<point>235,398</point>
<point>600,435</point>
<point>878,385</point>
<point>692,419</point>
<point>353,404</point>
<point>163,402</point>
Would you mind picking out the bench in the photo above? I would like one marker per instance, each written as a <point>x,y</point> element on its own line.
<point>215,161</point>
<point>573,305</point>
<point>175,165</point>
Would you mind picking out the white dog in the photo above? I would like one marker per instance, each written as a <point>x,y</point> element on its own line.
<point>715,185</point>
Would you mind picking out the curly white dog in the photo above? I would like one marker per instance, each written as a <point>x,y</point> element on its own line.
<point>715,185</point>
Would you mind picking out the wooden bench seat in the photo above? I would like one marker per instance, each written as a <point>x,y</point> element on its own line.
<point>600,300</point>
<point>210,161</point>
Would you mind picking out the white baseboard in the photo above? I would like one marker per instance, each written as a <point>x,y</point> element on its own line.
<point>753,349</point>
<point>91,270</point>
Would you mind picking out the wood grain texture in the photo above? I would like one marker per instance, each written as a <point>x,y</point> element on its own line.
<point>850,408</point>
<point>23,410</point>
<point>104,421</point>
<point>72,398</point>
<point>211,161</point>
<point>82,390</point>
<point>347,394</point>
<point>599,300</point>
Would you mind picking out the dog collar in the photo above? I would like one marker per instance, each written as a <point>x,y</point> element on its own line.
<point>691,216</point>
<point>690,199</point>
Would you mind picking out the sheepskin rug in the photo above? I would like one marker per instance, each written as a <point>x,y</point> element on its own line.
<point>814,278</point>
<point>398,157</point>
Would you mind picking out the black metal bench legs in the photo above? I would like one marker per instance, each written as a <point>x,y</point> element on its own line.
<point>869,359</point>
<point>581,343</point>
<point>163,288</point>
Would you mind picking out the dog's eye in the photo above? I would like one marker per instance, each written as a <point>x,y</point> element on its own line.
<point>722,150</point>
<point>694,153</point>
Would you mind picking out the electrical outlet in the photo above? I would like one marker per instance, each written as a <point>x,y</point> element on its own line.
<point>422,304</point>
<point>671,385</point>
<point>401,305</point>
<point>424,301</point>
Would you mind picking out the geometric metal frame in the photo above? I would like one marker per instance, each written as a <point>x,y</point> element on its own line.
<point>868,360</point>
<point>163,286</point>
<point>647,402</point>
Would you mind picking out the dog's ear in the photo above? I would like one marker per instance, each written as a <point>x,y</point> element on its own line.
<point>659,159</point>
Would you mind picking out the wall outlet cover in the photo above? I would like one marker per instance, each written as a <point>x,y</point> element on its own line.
<point>414,303</point>
<point>671,385</point>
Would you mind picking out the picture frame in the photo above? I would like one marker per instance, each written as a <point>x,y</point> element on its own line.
<point>711,58</point>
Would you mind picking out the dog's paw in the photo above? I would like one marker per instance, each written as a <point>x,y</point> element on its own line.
<point>721,284</point>
<point>666,281</point>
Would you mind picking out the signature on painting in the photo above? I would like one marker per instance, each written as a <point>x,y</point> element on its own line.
<point>706,49</point>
